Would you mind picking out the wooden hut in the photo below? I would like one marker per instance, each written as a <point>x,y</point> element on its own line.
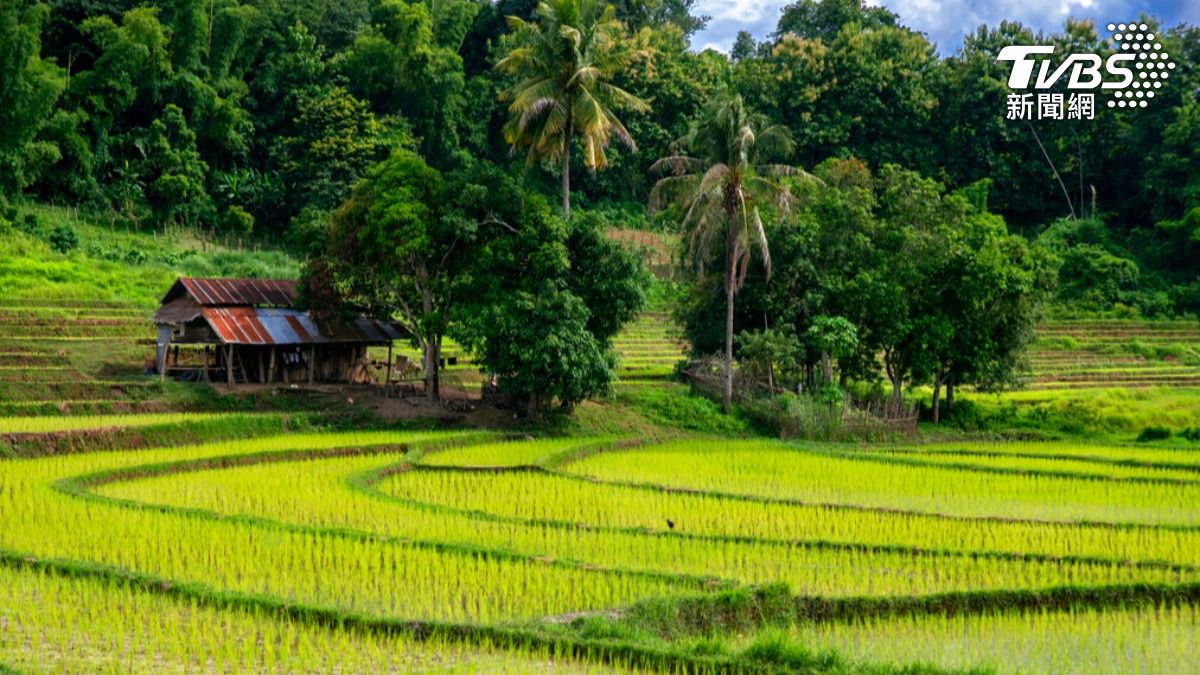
<point>251,332</point>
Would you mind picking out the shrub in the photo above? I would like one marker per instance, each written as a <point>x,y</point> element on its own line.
<point>1191,433</point>
<point>966,415</point>
<point>796,416</point>
<point>29,224</point>
<point>237,221</point>
<point>63,238</point>
<point>1154,434</point>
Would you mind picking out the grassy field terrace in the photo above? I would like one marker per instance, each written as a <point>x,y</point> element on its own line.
<point>1110,353</point>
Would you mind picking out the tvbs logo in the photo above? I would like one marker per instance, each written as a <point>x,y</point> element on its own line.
<point>1131,76</point>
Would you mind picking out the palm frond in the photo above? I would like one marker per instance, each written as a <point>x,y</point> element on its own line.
<point>679,187</point>
<point>677,165</point>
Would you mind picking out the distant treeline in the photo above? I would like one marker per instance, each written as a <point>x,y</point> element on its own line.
<point>257,118</point>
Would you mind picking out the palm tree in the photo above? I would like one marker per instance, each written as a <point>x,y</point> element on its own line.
<point>717,177</point>
<point>564,65</point>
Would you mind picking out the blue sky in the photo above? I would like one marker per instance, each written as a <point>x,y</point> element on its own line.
<point>945,21</point>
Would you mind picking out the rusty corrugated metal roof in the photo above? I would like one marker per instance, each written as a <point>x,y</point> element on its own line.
<point>235,292</point>
<point>280,326</point>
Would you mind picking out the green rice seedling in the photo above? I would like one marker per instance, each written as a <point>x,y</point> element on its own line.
<point>508,453</point>
<point>62,624</point>
<point>1147,640</point>
<point>773,470</point>
<point>305,564</point>
<point>314,491</point>
<point>1045,466</point>
<point>566,499</point>
<point>1127,455</point>
<point>41,425</point>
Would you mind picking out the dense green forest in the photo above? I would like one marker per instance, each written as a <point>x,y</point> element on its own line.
<point>397,144</point>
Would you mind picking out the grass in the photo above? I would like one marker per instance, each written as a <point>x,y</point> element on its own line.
<point>116,265</point>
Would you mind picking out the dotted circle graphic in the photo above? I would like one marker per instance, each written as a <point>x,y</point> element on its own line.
<point>1150,67</point>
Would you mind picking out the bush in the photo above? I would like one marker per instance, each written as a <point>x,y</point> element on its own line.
<point>63,238</point>
<point>1154,434</point>
<point>237,221</point>
<point>966,415</point>
<point>30,224</point>
<point>671,407</point>
<point>1191,433</point>
<point>796,416</point>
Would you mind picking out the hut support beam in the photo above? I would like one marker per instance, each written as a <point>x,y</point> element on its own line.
<point>312,362</point>
<point>271,369</point>
<point>229,365</point>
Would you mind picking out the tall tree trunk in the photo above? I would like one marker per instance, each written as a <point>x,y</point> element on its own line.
<point>432,346</point>
<point>937,396</point>
<point>433,362</point>
<point>894,374</point>
<point>566,172</point>
<point>730,271</point>
<point>950,397</point>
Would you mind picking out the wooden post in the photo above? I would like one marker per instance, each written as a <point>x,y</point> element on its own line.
<point>229,365</point>
<point>387,380</point>
<point>271,370</point>
<point>312,362</point>
<point>206,376</point>
<point>162,367</point>
<point>262,369</point>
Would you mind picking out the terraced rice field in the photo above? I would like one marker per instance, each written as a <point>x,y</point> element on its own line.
<point>75,356</point>
<point>649,348</point>
<point>464,551</point>
<point>1113,353</point>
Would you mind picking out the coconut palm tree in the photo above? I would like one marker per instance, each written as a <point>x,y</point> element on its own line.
<point>564,64</point>
<point>720,179</point>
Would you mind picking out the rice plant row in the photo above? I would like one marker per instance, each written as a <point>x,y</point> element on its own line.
<point>1080,641</point>
<point>301,564</point>
<point>1152,457</point>
<point>772,470</point>
<point>1045,465</point>
<point>63,624</point>
<point>47,424</point>
<point>315,491</point>
<point>570,500</point>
